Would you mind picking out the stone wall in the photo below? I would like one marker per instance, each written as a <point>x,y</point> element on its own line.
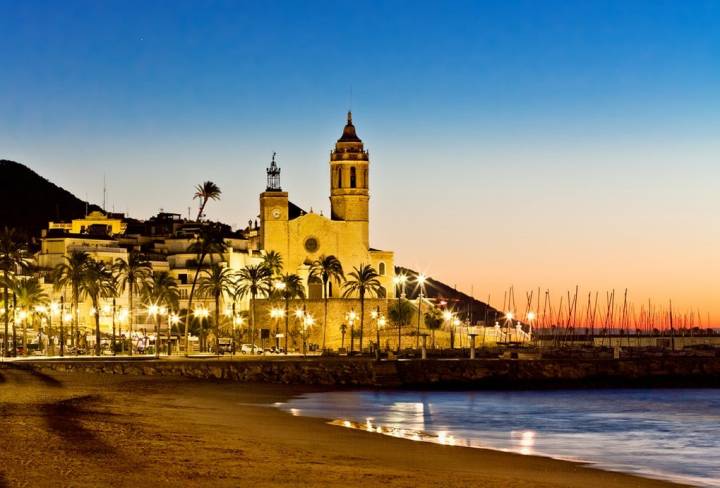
<point>481,373</point>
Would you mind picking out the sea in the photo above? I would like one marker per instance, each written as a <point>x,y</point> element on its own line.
<point>671,434</point>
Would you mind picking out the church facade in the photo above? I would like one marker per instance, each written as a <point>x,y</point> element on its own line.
<point>301,237</point>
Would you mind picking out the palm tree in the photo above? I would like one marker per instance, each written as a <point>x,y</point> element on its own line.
<point>205,192</point>
<point>273,261</point>
<point>13,256</point>
<point>363,282</point>
<point>291,287</point>
<point>433,321</point>
<point>216,282</point>
<point>97,282</point>
<point>207,243</point>
<point>133,275</point>
<point>29,295</point>
<point>254,280</point>
<point>401,313</point>
<point>161,290</point>
<point>326,269</point>
<point>72,273</point>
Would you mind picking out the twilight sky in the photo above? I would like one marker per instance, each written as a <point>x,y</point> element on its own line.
<point>531,143</point>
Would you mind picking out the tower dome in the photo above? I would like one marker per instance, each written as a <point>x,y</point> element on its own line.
<point>349,134</point>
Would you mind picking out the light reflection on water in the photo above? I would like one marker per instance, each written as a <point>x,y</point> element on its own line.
<point>671,434</point>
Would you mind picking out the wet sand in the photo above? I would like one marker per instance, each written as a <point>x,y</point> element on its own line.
<point>104,430</point>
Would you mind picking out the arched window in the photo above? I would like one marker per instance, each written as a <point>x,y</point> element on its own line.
<point>381,269</point>
<point>353,177</point>
<point>339,178</point>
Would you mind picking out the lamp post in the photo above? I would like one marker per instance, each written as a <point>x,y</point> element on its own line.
<point>122,317</point>
<point>54,312</point>
<point>174,319</point>
<point>375,315</point>
<point>421,283</point>
<point>447,316</point>
<point>351,317</point>
<point>456,325</point>
<point>381,321</point>
<point>508,323</point>
<point>277,314</point>
<point>41,310</point>
<point>399,281</point>
<point>530,317</point>
<point>200,313</point>
<point>307,322</point>
<point>154,311</point>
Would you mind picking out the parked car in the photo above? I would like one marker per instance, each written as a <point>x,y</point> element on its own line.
<point>250,349</point>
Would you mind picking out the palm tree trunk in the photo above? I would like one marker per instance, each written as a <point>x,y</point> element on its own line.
<point>24,336</point>
<point>14,332</point>
<point>325,293</point>
<point>190,299</point>
<point>362,318</point>
<point>252,322</point>
<point>97,328</point>
<point>157,336</point>
<point>287,320</point>
<point>131,289</point>
<point>7,314</point>
<point>217,324</point>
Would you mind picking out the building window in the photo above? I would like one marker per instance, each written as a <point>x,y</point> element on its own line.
<point>353,177</point>
<point>365,179</point>
<point>381,269</point>
<point>339,178</point>
<point>311,244</point>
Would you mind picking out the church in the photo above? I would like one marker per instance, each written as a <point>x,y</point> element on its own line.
<point>301,237</point>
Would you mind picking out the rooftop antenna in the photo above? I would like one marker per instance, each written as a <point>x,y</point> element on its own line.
<point>104,193</point>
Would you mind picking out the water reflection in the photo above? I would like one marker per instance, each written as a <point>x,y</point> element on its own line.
<point>672,434</point>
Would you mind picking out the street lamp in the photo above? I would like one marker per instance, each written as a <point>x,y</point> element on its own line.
<point>421,279</point>
<point>201,313</point>
<point>307,322</point>
<point>173,319</point>
<point>277,313</point>
<point>54,312</point>
<point>399,282</point>
<point>351,317</point>
<point>154,311</point>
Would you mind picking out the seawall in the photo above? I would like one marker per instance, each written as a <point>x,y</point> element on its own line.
<point>473,374</point>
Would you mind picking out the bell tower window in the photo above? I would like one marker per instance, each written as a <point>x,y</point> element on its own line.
<point>339,178</point>
<point>353,177</point>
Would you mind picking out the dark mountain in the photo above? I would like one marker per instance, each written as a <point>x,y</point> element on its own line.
<point>438,292</point>
<point>28,201</point>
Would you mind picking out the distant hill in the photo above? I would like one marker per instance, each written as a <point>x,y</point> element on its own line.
<point>28,201</point>
<point>457,301</point>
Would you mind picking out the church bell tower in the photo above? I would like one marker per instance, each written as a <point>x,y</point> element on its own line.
<point>349,181</point>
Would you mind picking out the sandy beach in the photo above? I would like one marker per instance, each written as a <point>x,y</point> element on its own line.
<point>71,429</point>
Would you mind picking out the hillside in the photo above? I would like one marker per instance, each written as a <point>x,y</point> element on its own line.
<point>28,201</point>
<point>456,300</point>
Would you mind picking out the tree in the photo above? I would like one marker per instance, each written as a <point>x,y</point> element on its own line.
<point>401,313</point>
<point>363,282</point>
<point>254,280</point>
<point>205,192</point>
<point>433,321</point>
<point>326,269</point>
<point>208,242</point>
<point>216,282</point>
<point>97,282</point>
<point>132,274</point>
<point>13,256</point>
<point>161,291</point>
<point>273,261</point>
<point>71,274</point>
<point>29,295</point>
<point>291,287</point>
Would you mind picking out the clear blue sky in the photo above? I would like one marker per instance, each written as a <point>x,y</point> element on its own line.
<point>584,134</point>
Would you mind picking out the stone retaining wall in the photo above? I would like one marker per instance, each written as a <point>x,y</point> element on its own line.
<point>482,373</point>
